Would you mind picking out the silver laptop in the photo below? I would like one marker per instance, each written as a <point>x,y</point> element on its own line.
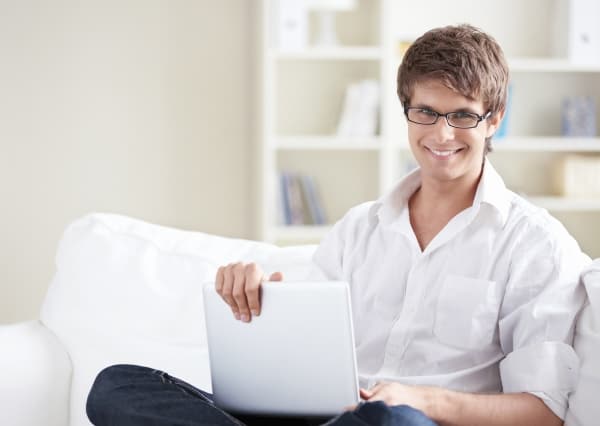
<point>297,358</point>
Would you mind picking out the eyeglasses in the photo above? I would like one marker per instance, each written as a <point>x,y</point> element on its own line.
<point>458,119</point>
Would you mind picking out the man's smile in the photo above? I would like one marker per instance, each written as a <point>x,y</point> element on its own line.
<point>444,152</point>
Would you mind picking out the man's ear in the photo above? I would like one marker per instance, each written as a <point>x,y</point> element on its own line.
<point>494,122</point>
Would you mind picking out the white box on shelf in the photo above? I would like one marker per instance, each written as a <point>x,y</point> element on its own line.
<point>577,31</point>
<point>579,176</point>
<point>291,25</point>
<point>578,116</point>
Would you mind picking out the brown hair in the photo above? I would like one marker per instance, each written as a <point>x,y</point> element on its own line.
<point>464,59</point>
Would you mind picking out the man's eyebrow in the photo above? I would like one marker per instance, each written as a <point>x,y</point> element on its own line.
<point>430,108</point>
<point>422,106</point>
<point>466,109</point>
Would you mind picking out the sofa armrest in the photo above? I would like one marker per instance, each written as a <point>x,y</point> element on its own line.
<point>584,409</point>
<point>35,376</point>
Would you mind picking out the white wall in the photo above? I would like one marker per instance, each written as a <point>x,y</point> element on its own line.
<point>139,107</point>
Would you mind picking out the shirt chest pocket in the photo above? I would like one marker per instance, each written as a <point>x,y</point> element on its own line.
<point>467,312</point>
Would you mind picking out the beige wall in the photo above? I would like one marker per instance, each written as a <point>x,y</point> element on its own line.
<point>139,107</point>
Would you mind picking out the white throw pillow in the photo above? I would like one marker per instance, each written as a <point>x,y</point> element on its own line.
<point>584,409</point>
<point>126,291</point>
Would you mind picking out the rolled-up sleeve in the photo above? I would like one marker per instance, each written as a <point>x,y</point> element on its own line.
<point>548,370</point>
<point>542,300</point>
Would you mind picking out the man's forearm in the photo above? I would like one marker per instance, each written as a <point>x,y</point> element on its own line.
<point>451,408</point>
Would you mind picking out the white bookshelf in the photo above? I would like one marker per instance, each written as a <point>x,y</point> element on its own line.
<point>548,144</point>
<point>327,143</point>
<point>302,92</point>
<point>359,53</point>
<point>550,65</point>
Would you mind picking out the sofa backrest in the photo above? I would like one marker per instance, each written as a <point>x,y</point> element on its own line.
<point>126,291</point>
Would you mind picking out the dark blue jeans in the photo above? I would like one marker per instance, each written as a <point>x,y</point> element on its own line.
<point>130,395</point>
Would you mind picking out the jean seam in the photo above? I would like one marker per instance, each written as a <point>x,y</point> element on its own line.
<point>166,379</point>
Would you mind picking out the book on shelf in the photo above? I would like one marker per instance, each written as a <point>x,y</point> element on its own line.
<point>297,209</point>
<point>314,203</point>
<point>300,201</point>
<point>360,110</point>
<point>283,201</point>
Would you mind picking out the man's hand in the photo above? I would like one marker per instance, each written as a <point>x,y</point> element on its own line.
<point>419,397</point>
<point>239,285</point>
<point>450,408</point>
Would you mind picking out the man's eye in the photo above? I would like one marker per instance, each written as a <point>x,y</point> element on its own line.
<point>427,112</point>
<point>463,115</point>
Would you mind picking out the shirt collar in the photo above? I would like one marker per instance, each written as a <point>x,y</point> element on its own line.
<point>389,207</point>
<point>491,191</point>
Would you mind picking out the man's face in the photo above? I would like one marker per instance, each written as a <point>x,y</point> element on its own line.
<point>447,153</point>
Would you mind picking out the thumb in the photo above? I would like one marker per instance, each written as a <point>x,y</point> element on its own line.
<point>276,276</point>
<point>366,394</point>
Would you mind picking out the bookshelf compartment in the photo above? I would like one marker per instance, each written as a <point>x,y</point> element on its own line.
<point>343,178</point>
<point>358,27</point>
<point>310,94</point>
<point>536,110</point>
<point>584,227</point>
<point>538,167</point>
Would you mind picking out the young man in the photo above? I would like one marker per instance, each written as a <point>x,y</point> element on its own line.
<point>464,295</point>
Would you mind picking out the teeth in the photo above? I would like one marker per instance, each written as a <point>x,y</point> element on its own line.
<point>443,153</point>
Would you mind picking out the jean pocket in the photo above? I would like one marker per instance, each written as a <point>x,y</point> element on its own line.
<point>467,312</point>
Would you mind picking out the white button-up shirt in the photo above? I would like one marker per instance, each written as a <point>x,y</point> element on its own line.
<point>488,306</point>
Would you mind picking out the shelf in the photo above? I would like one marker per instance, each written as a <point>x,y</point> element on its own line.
<point>549,65</point>
<point>555,204</point>
<point>544,65</point>
<point>300,233</point>
<point>327,143</point>
<point>331,53</point>
<point>539,144</point>
<point>547,144</point>
<point>566,204</point>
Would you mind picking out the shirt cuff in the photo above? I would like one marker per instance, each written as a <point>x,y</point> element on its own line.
<point>554,402</point>
<point>548,370</point>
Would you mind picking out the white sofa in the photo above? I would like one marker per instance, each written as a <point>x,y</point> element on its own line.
<point>126,291</point>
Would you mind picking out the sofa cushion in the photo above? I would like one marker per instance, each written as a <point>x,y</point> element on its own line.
<point>126,291</point>
<point>584,409</point>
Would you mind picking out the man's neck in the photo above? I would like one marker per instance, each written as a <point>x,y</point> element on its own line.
<point>447,196</point>
<point>435,203</point>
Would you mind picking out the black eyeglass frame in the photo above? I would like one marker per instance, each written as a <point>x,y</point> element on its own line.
<point>480,118</point>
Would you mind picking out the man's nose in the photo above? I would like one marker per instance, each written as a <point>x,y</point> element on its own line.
<point>443,129</point>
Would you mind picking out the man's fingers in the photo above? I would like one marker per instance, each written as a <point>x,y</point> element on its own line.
<point>276,276</point>
<point>365,394</point>
<point>374,393</point>
<point>227,290</point>
<point>253,281</point>
<point>239,291</point>
<point>220,278</point>
<point>239,286</point>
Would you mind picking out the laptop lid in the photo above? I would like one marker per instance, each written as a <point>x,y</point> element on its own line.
<point>296,358</point>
